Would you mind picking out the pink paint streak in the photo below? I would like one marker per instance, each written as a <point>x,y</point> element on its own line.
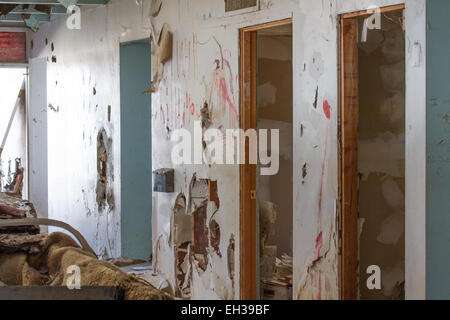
<point>226,97</point>
<point>318,247</point>
<point>221,86</point>
<point>327,109</point>
<point>319,239</point>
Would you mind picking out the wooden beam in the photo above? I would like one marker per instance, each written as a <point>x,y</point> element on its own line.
<point>349,160</point>
<point>268,25</point>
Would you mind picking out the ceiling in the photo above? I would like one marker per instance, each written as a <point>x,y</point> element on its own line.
<point>32,13</point>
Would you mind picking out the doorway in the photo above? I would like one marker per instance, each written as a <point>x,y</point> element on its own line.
<point>13,132</point>
<point>373,155</point>
<point>136,159</point>
<point>267,199</point>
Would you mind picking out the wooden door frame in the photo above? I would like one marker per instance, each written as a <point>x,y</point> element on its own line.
<point>248,118</point>
<point>349,113</point>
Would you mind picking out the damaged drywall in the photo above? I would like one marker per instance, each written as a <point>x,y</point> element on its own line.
<point>104,191</point>
<point>320,282</point>
<point>161,53</point>
<point>196,239</point>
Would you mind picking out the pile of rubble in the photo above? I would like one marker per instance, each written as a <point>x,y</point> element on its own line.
<point>15,208</point>
<point>28,258</point>
<point>275,273</point>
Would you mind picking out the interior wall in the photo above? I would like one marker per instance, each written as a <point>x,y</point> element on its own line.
<point>275,112</point>
<point>88,59</point>
<point>83,100</point>
<point>415,163</point>
<point>37,137</point>
<point>381,157</point>
<point>438,150</point>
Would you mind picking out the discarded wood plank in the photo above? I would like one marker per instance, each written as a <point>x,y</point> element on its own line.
<point>13,212</point>
<point>15,208</point>
<point>12,243</point>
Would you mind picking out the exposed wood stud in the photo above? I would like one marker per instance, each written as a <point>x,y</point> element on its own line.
<point>349,119</point>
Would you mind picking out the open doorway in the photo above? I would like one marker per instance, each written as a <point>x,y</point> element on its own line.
<point>13,131</point>
<point>136,159</point>
<point>267,200</point>
<point>373,156</point>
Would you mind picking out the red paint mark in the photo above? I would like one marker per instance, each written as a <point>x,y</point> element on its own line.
<point>227,63</point>
<point>222,86</point>
<point>12,47</point>
<point>226,97</point>
<point>167,113</point>
<point>327,109</point>
<point>162,115</point>
<point>318,247</point>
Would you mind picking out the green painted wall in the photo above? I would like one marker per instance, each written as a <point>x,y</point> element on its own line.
<point>438,149</point>
<point>136,159</point>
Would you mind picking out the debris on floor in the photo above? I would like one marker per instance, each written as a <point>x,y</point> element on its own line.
<point>283,268</point>
<point>276,290</point>
<point>145,272</point>
<point>275,273</point>
<point>15,208</point>
<point>28,258</point>
<point>22,242</point>
<point>121,262</point>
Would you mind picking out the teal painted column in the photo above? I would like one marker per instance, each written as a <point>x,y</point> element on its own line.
<point>136,148</point>
<point>438,149</point>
